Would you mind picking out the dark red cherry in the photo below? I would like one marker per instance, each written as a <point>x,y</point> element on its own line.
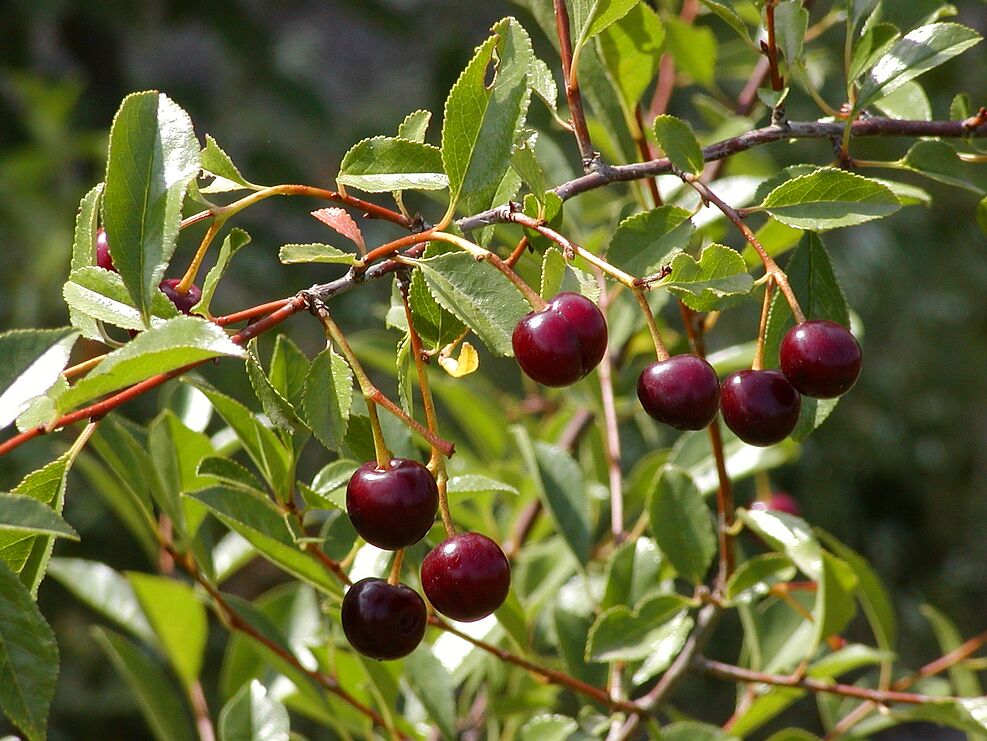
<point>760,406</point>
<point>682,392</point>
<point>394,507</point>
<point>561,343</point>
<point>466,577</point>
<point>383,621</point>
<point>820,358</point>
<point>182,301</point>
<point>103,258</point>
<point>778,502</point>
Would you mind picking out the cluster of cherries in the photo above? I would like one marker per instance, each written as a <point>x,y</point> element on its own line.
<point>564,341</point>
<point>182,301</point>
<point>466,577</point>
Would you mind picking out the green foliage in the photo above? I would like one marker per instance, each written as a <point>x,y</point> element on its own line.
<point>622,562</point>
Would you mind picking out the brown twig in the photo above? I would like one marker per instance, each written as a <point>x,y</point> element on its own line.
<point>572,94</point>
<point>611,440</point>
<point>732,673</point>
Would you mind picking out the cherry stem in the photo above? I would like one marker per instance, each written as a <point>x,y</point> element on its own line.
<point>373,395</point>
<point>394,578</point>
<point>660,350</point>
<point>436,463</point>
<point>189,278</point>
<point>724,491</point>
<point>758,363</point>
<point>770,266</point>
<point>537,302</point>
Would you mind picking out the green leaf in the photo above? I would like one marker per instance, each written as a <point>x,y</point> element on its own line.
<point>253,715</point>
<point>27,554</point>
<point>938,160</point>
<point>645,242</point>
<point>788,534</point>
<point>153,157</point>
<point>968,714</point>
<point>873,44</point>
<point>260,522</point>
<point>918,51</point>
<point>835,605</point>
<point>267,452</point>
<point>314,252</point>
<point>982,214</point>
<point>164,709</point>
<point>558,276</point>
<point>548,728</point>
<point>214,161</point>
<point>33,361</point>
<point>436,326</point>
<point>276,407</point>
<point>680,145</point>
<point>28,658</point>
<point>559,482</point>
<point>719,279</point>
<point>620,634</point>
<point>105,591</point>
<point>176,452</point>
<point>414,126</point>
<point>874,598</point>
<point>21,514</point>
<point>482,121</point>
<point>289,367</point>
<point>96,294</point>
<point>682,524</point>
<point>475,483</point>
<point>435,689</point>
<point>791,22</point>
<point>630,49</point>
<point>753,578</point>
<point>383,164</point>
<point>178,619</point>
<point>328,398</point>
<point>829,198</point>
<point>601,15</point>
<point>859,10</point>
<point>948,637</point>
<point>665,648</point>
<point>233,243</point>
<point>172,345</point>
<point>84,241</point>
<point>479,295</point>
<point>730,16</point>
<point>907,102</point>
<point>694,49</point>
<point>228,472</point>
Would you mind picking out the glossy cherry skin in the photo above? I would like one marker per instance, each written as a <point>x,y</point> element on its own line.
<point>760,406</point>
<point>561,343</point>
<point>182,301</point>
<point>779,502</point>
<point>103,258</point>
<point>383,621</point>
<point>820,358</point>
<point>394,507</point>
<point>466,577</point>
<point>682,392</point>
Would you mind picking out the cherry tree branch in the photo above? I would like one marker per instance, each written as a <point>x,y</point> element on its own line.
<point>975,126</point>
<point>572,94</point>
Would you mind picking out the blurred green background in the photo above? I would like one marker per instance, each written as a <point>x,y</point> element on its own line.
<point>899,472</point>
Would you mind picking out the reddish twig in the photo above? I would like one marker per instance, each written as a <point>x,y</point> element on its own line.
<point>572,94</point>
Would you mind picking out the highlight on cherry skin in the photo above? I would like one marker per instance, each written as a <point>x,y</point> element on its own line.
<point>381,620</point>
<point>466,577</point>
<point>682,392</point>
<point>103,258</point>
<point>563,342</point>
<point>760,406</point>
<point>393,507</point>
<point>820,358</point>
<point>182,301</point>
